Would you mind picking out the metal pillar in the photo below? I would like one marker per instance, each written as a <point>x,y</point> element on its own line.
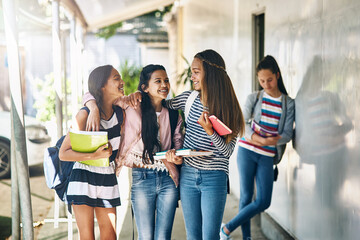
<point>17,124</point>
<point>57,65</point>
<point>79,56</point>
<point>15,198</point>
<point>74,67</point>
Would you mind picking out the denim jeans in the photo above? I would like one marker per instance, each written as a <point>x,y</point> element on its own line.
<point>203,196</point>
<point>154,199</point>
<point>252,166</point>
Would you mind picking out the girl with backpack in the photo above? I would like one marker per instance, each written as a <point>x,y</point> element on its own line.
<point>148,129</point>
<point>204,179</point>
<point>274,111</point>
<point>93,190</point>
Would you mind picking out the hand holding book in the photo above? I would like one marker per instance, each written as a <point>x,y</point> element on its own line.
<point>172,157</point>
<point>262,130</point>
<point>104,151</point>
<point>219,126</point>
<point>91,142</point>
<point>214,124</point>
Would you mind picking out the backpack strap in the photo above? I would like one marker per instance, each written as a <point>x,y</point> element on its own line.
<point>118,111</point>
<point>189,103</point>
<point>119,114</point>
<point>173,116</point>
<point>253,107</point>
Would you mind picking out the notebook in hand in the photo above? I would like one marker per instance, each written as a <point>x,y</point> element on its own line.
<point>262,131</point>
<point>219,126</point>
<point>88,142</point>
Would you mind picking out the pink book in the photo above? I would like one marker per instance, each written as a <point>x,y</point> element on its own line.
<point>219,126</point>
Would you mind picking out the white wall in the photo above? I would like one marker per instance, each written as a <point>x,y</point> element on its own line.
<point>113,51</point>
<point>315,43</point>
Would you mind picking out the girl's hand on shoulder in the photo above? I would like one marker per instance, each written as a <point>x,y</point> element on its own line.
<point>93,120</point>
<point>135,99</point>
<point>132,100</point>
<point>104,151</point>
<point>171,157</point>
<point>205,122</point>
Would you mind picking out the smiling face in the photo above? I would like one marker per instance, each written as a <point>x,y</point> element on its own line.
<point>158,85</point>
<point>197,73</point>
<point>269,82</point>
<point>114,86</point>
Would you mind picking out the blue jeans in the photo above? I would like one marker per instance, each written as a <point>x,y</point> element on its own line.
<point>252,166</point>
<point>154,199</point>
<point>203,196</point>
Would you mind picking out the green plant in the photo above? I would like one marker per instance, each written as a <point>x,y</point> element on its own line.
<point>45,101</point>
<point>130,73</point>
<point>185,76</point>
<point>109,31</point>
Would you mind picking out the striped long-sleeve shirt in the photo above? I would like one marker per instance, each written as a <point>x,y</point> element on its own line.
<point>270,115</point>
<point>197,138</point>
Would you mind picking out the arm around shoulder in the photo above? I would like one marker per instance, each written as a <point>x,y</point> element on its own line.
<point>178,137</point>
<point>65,152</point>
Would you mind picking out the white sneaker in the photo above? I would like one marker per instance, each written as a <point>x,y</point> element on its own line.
<point>223,235</point>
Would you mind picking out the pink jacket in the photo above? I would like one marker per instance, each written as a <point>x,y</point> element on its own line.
<point>131,145</point>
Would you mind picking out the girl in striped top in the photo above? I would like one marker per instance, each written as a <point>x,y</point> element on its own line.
<point>92,189</point>
<point>270,115</point>
<point>203,179</point>
<point>274,110</point>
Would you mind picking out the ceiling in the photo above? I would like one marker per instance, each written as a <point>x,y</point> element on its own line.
<point>101,13</point>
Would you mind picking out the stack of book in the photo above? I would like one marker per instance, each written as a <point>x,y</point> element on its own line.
<point>183,152</point>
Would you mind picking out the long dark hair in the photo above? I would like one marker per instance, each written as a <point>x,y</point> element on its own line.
<point>97,80</point>
<point>269,63</point>
<point>217,93</point>
<point>150,126</point>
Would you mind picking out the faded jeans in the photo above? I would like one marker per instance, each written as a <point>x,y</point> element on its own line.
<point>252,166</point>
<point>154,199</point>
<point>203,196</point>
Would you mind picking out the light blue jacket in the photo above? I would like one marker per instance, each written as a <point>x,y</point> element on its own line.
<point>286,122</point>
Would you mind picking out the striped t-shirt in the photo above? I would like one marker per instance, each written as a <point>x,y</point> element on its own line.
<point>97,186</point>
<point>197,138</point>
<point>270,115</point>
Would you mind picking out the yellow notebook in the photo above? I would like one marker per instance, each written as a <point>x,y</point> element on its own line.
<point>88,142</point>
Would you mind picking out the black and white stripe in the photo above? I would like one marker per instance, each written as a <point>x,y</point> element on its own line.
<point>113,129</point>
<point>196,138</point>
<point>97,186</point>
